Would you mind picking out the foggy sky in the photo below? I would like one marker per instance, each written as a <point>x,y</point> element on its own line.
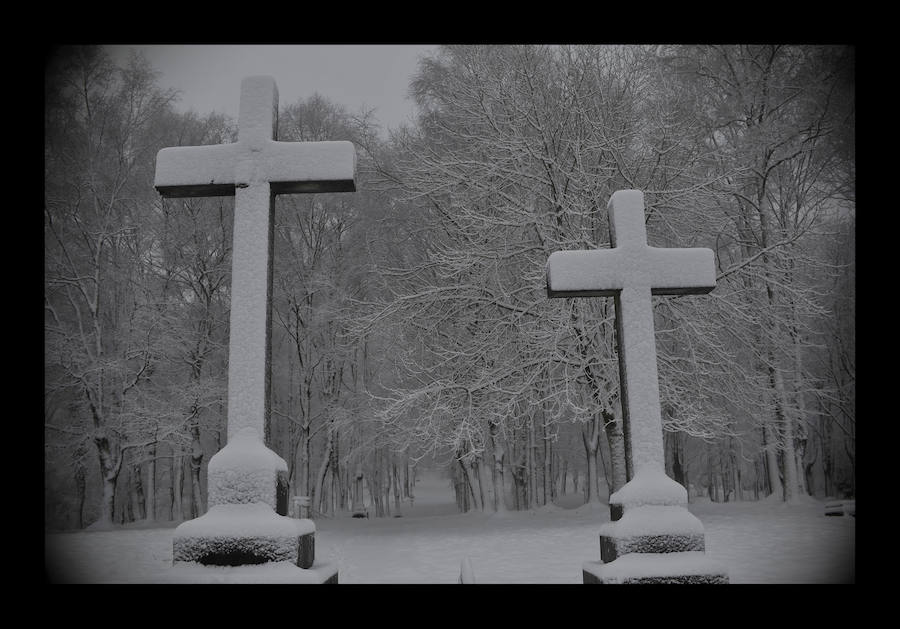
<point>355,76</point>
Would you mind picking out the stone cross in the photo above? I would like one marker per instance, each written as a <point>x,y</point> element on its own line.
<point>247,482</point>
<point>651,536</point>
<point>254,169</point>
<point>631,272</point>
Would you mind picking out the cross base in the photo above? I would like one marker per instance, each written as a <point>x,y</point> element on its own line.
<point>651,528</point>
<point>611,548</point>
<point>247,550</point>
<point>244,534</point>
<point>246,471</point>
<point>652,537</point>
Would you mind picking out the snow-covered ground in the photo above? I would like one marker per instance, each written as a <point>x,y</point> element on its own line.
<point>759,542</point>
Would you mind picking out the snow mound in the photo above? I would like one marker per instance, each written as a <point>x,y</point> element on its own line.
<point>244,520</point>
<point>654,520</point>
<point>650,487</point>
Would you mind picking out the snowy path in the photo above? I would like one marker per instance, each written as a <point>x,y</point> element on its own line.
<point>758,542</point>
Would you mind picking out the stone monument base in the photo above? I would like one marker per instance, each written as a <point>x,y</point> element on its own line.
<point>652,537</point>
<point>690,567</point>
<point>245,534</point>
<point>650,529</point>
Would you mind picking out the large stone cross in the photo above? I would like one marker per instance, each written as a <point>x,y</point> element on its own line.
<point>254,169</point>
<point>247,482</point>
<point>652,537</point>
<point>631,272</point>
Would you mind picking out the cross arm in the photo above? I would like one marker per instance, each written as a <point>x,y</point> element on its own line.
<point>310,166</point>
<point>688,271</point>
<point>604,272</point>
<point>196,171</point>
<point>590,273</point>
<point>289,167</point>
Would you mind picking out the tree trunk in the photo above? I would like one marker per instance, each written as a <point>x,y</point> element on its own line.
<point>498,479</point>
<point>108,501</point>
<point>177,484</point>
<point>110,466</point>
<point>386,486</point>
<point>828,466</point>
<point>460,486</point>
<point>150,512</point>
<point>474,486</point>
<point>303,486</point>
<point>785,422</point>
<point>139,502</point>
<point>196,463</point>
<point>736,478</point>
<point>756,466</point>
<point>337,474</point>
<point>517,471</point>
<point>373,480</point>
<point>127,508</point>
<point>771,445</point>
<point>677,456</point>
<point>486,485</point>
<point>320,505</point>
<point>590,438</point>
<point>802,434</point>
<point>563,471</point>
<point>405,487</point>
<point>395,485</point>
<point>547,471</point>
<point>531,466</point>
<point>80,493</point>
<point>615,437</point>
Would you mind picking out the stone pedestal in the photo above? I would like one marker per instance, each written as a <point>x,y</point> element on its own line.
<point>246,523</point>
<point>242,534</point>
<point>652,537</point>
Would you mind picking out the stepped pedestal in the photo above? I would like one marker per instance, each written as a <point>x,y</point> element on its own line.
<point>652,538</point>
<point>246,523</point>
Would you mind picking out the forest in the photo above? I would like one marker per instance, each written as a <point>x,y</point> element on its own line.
<point>411,325</point>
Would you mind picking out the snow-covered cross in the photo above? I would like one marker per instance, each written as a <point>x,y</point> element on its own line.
<point>245,477</point>
<point>651,536</point>
<point>631,272</point>
<point>254,169</point>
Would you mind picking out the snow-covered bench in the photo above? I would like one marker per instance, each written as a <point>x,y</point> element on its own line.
<point>840,507</point>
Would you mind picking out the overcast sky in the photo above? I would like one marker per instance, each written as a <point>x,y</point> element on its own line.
<point>209,76</point>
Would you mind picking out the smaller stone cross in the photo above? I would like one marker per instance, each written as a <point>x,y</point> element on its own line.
<point>631,272</point>
<point>652,537</point>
